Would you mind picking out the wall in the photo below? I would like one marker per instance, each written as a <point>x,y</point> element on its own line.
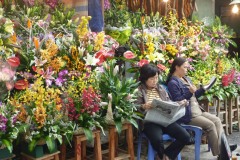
<point>205,10</point>
<point>223,10</point>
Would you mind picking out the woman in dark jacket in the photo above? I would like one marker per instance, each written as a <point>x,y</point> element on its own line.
<point>180,87</point>
<point>149,90</point>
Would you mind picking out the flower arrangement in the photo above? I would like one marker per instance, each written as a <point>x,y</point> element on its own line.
<point>82,101</point>
<point>10,127</point>
<point>40,109</point>
<point>123,94</point>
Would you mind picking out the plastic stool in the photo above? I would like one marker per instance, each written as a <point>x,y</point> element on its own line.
<point>197,138</point>
<point>151,152</point>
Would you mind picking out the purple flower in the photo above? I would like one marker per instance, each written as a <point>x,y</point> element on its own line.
<point>62,73</point>
<point>107,4</point>
<point>59,81</point>
<point>3,123</point>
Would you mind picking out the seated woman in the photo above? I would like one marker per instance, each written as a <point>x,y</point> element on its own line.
<point>180,88</point>
<point>150,89</point>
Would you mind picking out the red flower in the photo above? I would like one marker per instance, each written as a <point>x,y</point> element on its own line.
<point>100,56</point>
<point>13,61</point>
<point>228,78</point>
<point>21,84</point>
<point>225,80</point>
<point>142,62</point>
<point>129,55</point>
<point>162,67</point>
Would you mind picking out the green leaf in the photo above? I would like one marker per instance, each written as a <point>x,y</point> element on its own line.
<point>50,143</point>
<point>8,144</point>
<point>118,126</point>
<point>88,133</point>
<point>132,121</point>
<point>32,145</point>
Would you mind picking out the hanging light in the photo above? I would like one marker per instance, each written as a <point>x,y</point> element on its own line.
<point>165,1</point>
<point>235,8</point>
<point>234,2</point>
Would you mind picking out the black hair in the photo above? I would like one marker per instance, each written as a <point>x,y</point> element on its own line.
<point>176,62</point>
<point>147,71</point>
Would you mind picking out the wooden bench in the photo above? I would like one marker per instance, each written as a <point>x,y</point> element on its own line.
<point>53,156</point>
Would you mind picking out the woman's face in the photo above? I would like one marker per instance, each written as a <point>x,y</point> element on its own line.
<point>152,81</point>
<point>182,70</point>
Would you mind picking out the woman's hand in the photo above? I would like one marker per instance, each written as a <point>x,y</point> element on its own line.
<point>183,103</point>
<point>192,89</point>
<point>147,106</point>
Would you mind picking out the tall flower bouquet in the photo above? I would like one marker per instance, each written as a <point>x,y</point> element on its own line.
<point>120,93</point>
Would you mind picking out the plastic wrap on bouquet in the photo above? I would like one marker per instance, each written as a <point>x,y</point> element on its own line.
<point>121,34</point>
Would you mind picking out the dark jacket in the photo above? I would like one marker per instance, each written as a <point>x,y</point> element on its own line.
<point>180,91</point>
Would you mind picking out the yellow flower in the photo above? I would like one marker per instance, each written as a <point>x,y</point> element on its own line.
<point>8,26</point>
<point>99,41</point>
<point>82,28</point>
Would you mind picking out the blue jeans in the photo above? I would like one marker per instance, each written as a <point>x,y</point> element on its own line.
<point>154,133</point>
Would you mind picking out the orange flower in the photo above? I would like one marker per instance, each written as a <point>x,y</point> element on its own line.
<point>13,38</point>
<point>29,24</point>
<point>36,42</point>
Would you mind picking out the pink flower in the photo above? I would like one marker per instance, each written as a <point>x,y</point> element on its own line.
<point>162,67</point>
<point>142,62</point>
<point>129,55</point>
<point>170,61</point>
<point>51,3</point>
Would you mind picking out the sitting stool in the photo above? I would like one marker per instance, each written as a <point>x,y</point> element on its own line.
<point>113,142</point>
<point>151,152</point>
<point>80,146</point>
<point>53,156</point>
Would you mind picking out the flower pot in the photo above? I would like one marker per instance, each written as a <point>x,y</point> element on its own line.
<point>5,153</point>
<point>36,152</point>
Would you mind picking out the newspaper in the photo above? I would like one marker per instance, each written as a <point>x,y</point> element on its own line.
<point>164,112</point>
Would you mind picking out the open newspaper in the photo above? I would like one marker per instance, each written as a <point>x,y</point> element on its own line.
<point>164,112</point>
